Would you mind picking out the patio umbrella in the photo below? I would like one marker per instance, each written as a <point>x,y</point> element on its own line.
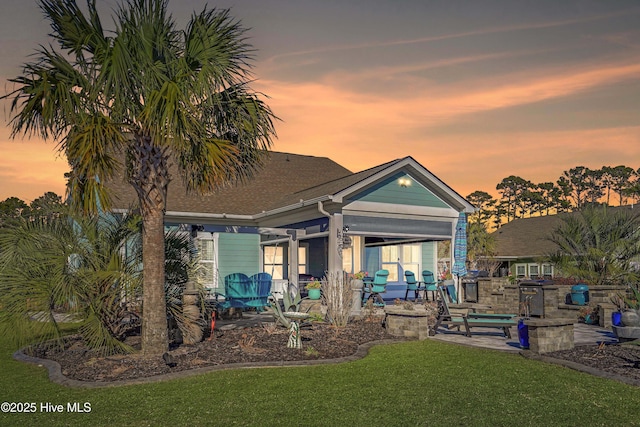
<point>460,249</point>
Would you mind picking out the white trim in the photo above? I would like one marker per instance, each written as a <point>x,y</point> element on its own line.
<point>376,208</point>
<point>421,170</point>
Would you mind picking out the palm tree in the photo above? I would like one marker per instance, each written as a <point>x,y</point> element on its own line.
<point>88,267</point>
<point>136,100</point>
<point>70,264</point>
<point>599,245</point>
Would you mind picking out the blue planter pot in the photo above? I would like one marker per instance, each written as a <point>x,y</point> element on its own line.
<point>616,318</point>
<point>523,334</point>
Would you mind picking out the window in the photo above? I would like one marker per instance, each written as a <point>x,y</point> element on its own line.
<point>274,261</point>
<point>352,255</point>
<point>411,255</point>
<point>534,271</point>
<point>390,259</point>
<point>208,262</point>
<point>547,271</point>
<point>302,260</point>
<point>521,270</point>
<point>405,256</point>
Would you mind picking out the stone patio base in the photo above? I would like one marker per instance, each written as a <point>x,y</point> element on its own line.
<point>547,335</point>
<point>407,323</point>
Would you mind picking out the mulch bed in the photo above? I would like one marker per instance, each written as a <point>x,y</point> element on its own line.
<point>617,359</point>
<point>268,344</point>
<point>253,344</point>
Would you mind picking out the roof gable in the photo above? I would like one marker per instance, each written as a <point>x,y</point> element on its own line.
<point>400,188</point>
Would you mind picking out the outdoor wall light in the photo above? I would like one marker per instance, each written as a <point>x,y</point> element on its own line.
<point>404,182</point>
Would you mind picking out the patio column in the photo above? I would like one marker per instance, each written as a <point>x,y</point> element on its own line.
<point>293,257</point>
<point>335,244</point>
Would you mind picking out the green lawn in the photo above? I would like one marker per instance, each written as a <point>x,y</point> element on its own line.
<point>414,383</point>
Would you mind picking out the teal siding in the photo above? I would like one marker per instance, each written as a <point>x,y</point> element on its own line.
<point>238,253</point>
<point>429,258</point>
<point>390,191</point>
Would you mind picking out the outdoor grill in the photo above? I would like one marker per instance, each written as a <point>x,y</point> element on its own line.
<point>470,285</point>
<point>532,297</point>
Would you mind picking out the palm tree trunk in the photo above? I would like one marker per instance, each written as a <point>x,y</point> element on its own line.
<point>155,339</point>
<point>149,175</point>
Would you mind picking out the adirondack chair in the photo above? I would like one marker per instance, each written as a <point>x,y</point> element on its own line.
<point>376,287</point>
<point>469,320</point>
<point>236,289</point>
<point>412,284</point>
<point>430,284</point>
<point>453,294</point>
<point>261,285</point>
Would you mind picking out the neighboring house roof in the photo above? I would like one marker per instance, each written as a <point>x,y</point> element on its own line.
<point>529,237</point>
<point>526,237</point>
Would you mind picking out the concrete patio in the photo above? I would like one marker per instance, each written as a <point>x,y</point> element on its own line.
<point>494,339</point>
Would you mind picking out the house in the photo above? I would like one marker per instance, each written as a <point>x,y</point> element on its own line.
<point>523,245</point>
<point>302,216</point>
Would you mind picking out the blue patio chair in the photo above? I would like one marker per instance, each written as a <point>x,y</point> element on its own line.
<point>430,284</point>
<point>376,287</point>
<point>412,285</point>
<point>453,294</point>
<point>261,285</point>
<point>237,289</point>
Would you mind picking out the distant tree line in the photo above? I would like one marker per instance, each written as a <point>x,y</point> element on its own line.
<point>13,209</point>
<point>575,189</point>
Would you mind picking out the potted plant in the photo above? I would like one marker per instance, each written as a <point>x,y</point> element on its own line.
<point>631,315</point>
<point>616,316</point>
<point>588,314</point>
<point>446,277</point>
<point>357,279</point>
<point>313,288</point>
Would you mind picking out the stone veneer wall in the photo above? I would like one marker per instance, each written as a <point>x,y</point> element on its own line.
<point>401,322</point>
<point>547,335</point>
<point>504,297</point>
<point>499,294</point>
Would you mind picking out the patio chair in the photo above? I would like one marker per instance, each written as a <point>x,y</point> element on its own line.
<point>469,320</point>
<point>376,287</point>
<point>237,291</point>
<point>430,284</point>
<point>261,285</point>
<point>452,293</point>
<point>412,284</point>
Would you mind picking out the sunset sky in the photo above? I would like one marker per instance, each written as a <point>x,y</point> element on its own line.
<point>473,90</point>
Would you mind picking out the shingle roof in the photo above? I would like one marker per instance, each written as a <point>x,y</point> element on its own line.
<point>526,237</point>
<point>529,237</point>
<point>283,175</point>
<point>333,186</point>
